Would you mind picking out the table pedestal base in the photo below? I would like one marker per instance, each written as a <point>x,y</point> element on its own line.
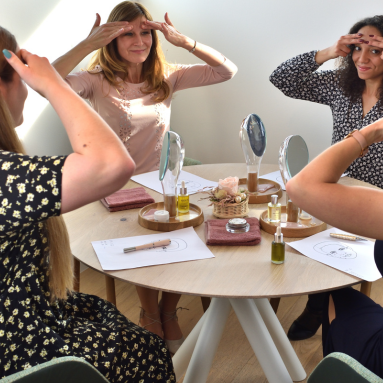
<point>263,330</point>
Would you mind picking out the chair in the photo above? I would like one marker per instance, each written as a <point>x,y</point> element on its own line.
<point>341,368</point>
<point>59,370</point>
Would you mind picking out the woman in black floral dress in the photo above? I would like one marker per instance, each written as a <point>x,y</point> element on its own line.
<point>40,319</point>
<point>353,92</point>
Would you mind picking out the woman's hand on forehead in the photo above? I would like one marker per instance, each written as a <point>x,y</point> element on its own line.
<point>376,41</point>
<point>101,35</point>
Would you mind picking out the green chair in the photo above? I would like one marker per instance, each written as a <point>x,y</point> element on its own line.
<point>60,370</point>
<point>341,368</point>
<point>190,161</point>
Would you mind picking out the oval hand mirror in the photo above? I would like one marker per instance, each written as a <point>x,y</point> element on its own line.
<point>252,136</point>
<point>293,157</point>
<point>171,162</point>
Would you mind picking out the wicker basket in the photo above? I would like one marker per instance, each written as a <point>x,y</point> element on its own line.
<point>231,210</point>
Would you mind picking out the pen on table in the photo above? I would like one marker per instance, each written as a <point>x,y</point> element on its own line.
<point>152,245</point>
<point>348,237</point>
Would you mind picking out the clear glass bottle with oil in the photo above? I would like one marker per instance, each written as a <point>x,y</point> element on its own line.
<point>183,199</point>
<point>274,210</point>
<point>278,248</point>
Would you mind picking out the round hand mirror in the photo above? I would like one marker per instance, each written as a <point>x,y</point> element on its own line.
<point>252,136</point>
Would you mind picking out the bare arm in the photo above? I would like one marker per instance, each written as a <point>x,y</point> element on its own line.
<point>315,188</point>
<point>98,37</point>
<point>100,163</point>
<point>203,52</point>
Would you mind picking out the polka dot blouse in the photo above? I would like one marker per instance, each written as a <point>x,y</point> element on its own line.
<point>298,78</point>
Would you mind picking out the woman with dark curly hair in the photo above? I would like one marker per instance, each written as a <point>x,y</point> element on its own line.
<point>354,93</point>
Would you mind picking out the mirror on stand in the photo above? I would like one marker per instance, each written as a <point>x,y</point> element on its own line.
<point>293,157</point>
<point>252,136</point>
<point>171,162</point>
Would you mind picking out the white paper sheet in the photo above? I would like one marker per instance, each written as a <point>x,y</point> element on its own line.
<point>276,177</point>
<point>352,257</point>
<point>185,246</point>
<point>193,183</point>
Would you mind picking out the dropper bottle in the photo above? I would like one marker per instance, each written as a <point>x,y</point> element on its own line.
<point>183,199</point>
<point>278,248</point>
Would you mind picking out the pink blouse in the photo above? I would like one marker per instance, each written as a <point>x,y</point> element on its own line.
<point>135,117</point>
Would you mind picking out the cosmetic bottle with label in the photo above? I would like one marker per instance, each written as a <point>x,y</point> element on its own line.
<point>183,199</point>
<point>274,210</point>
<point>278,248</point>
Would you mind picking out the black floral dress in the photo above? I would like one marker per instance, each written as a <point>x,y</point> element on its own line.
<point>298,78</point>
<point>33,330</point>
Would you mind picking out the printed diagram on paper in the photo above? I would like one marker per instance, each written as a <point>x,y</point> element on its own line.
<point>352,257</point>
<point>193,182</point>
<point>185,246</point>
<point>336,250</point>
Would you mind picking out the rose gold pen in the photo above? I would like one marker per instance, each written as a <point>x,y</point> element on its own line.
<point>348,237</point>
<point>152,245</point>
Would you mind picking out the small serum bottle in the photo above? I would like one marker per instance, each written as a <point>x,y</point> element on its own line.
<point>183,199</point>
<point>274,210</point>
<point>278,248</point>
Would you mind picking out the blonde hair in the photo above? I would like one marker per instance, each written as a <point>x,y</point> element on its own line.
<point>58,252</point>
<point>111,62</point>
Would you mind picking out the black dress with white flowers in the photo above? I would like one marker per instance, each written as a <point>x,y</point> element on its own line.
<point>33,330</point>
<point>298,78</point>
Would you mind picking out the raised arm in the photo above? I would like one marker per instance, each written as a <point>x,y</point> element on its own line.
<point>209,55</point>
<point>315,189</point>
<point>100,163</point>
<point>99,36</point>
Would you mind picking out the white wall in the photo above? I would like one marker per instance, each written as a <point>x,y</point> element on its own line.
<point>257,35</point>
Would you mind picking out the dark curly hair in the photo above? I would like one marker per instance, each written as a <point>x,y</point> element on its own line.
<point>349,80</point>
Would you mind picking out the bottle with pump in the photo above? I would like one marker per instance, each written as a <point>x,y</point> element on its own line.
<point>278,248</point>
<point>274,210</point>
<point>183,199</point>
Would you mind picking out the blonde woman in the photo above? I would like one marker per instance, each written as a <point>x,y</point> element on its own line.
<point>131,86</point>
<point>40,317</point>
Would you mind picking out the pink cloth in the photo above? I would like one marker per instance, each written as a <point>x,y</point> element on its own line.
<point>138,121</point>
<point>216,234</point>
<point>127,199</point>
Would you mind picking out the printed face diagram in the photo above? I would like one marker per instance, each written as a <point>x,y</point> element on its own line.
<point>191,186</point>
<point>177,244</point>
<point>335,249</point>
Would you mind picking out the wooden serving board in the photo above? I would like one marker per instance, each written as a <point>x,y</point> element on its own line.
<point>301,229</point>
<point>193,218</point>
<point>256,197</point>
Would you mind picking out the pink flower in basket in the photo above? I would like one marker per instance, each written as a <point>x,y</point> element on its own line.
<point>230,184</point>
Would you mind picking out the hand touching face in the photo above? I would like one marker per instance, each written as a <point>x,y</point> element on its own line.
<point>134,45</point>
<point>368,54</point>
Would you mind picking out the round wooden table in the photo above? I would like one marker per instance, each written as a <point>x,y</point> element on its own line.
<point>240,277</point>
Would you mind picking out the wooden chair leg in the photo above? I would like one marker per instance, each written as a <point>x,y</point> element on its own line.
<point>365,288</point>
<point>274,302</point>
<point>110,289</point>
<point>205,303</point>
<point>76,274</point>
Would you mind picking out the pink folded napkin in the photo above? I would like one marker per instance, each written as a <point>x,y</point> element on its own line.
<point>216,234</point>
<point>127,199</point>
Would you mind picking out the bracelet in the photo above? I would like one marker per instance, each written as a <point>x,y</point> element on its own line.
<point>193,49</point>
<point>361,140</point>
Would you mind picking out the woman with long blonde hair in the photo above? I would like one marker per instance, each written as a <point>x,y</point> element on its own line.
<point>130,85</point>
<point>40,317</point>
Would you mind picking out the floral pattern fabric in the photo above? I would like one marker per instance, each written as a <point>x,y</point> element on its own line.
<point>298,78</point>
<point>33,330</point>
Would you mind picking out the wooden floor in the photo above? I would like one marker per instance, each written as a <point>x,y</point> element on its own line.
<point>235,361</point>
